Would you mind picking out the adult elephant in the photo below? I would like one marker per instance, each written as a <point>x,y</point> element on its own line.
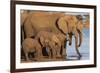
<point>75,26</point>
<point>70,24</point>
<point>55,22</point>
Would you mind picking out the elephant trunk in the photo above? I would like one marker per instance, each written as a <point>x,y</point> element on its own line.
<point>80,38</point>
<point>70,38</point>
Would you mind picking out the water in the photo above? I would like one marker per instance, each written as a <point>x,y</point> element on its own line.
<point>84,48</point>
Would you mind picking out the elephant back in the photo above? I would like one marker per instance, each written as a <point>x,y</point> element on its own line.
<point>45,20</point>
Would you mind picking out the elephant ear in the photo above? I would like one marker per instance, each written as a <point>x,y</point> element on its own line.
<point>87,24</point>
<point>41,41</point>
<point>80,25</point>
<point>62,25</point>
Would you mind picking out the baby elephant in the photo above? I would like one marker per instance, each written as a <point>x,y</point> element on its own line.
<point>51,42</point>
<point>31,45</point>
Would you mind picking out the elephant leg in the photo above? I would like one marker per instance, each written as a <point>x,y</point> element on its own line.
<point>70,38</point>
<point>53,53</point>
<point>64,54</point>
<point>62,51</point>
<point>26,55</point>
<point>42,43</point>
<point>50,53</point>
<point>58,52</point>
<point>76,46</point>
<point>39,54</point>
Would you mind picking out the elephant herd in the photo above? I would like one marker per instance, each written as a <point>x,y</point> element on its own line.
<point>49,31</point>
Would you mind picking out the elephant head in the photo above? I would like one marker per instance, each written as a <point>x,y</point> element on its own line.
<point>51,41</point>
<point>67,25</point>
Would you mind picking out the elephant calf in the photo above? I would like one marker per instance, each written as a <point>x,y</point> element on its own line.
<point>50,41</point>
<point>31,45</point>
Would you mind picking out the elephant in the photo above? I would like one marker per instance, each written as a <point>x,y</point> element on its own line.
<point>32,45</point>
<point>51,42</point>
<point>57,22</point>
<point>76,26</point>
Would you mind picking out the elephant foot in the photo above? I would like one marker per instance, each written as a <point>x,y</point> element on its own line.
<point>54,58</point>
<point>28,60</point>
<point>64,54</point>
<point>64,57</point>
<point>49,57</point>
<point>39,58</point>
<point>58,56</point>
<point>79,57</point>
